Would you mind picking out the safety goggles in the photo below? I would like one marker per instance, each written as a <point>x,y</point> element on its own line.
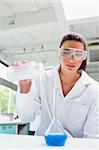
<point>76,53</point>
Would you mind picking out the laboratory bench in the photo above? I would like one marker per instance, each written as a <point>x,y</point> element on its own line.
<point>27,142</point>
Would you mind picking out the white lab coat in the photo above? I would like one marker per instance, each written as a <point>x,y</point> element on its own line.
<point>78,111</point>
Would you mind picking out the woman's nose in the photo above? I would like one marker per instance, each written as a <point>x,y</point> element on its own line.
<point>71,58</point>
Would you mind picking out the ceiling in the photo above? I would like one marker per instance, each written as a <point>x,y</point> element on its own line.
<point>88,27</point>
<point>32,29</point>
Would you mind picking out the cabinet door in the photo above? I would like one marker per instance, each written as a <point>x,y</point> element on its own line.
<point>8,128</point>
<point>23,129</point>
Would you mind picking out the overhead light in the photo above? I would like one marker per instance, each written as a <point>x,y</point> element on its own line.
<point>78,9</point>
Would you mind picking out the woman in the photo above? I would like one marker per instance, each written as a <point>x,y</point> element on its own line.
<point>77,94</point>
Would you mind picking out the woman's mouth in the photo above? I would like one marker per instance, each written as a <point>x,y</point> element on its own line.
<point>71,65</point>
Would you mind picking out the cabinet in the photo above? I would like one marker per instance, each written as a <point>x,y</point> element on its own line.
<point>8,128</point>
<point>14,128</point>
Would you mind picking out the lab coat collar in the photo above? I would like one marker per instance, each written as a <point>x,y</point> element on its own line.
<point>85,78</point>
<point>80,85</point>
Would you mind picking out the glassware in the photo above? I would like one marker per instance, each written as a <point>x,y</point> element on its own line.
<point>24,71</point>
<point>55,134</point>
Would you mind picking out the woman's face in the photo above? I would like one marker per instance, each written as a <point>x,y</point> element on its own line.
<point>71,63</point>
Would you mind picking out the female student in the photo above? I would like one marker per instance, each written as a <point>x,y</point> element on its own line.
<point>77,93</point>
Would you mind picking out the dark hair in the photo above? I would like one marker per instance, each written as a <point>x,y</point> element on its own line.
<point>79,38</point>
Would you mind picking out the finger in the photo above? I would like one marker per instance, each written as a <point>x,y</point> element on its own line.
<point>17,63</point>
<point>25,61</point>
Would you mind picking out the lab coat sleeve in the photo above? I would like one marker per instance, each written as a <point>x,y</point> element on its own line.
<point>91,127</point>
<point>28,105</point>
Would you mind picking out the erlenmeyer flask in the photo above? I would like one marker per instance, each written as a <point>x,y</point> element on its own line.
<point>55,134</point>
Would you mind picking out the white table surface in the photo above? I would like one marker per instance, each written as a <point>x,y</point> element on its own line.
<point>16,121</point>
<point>27,142</point>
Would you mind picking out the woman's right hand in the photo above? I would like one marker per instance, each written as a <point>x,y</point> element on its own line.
<point>24,84</point>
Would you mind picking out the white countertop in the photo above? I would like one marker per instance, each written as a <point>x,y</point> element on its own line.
<point>27,142</point>
<point>16,121</point>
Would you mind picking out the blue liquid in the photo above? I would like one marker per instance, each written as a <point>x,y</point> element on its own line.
<point>55,139</point>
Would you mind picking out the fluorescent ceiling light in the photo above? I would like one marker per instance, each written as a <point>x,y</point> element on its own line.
<point>78,9</point>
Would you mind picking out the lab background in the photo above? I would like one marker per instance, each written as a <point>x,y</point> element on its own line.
<point>32,30</point>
